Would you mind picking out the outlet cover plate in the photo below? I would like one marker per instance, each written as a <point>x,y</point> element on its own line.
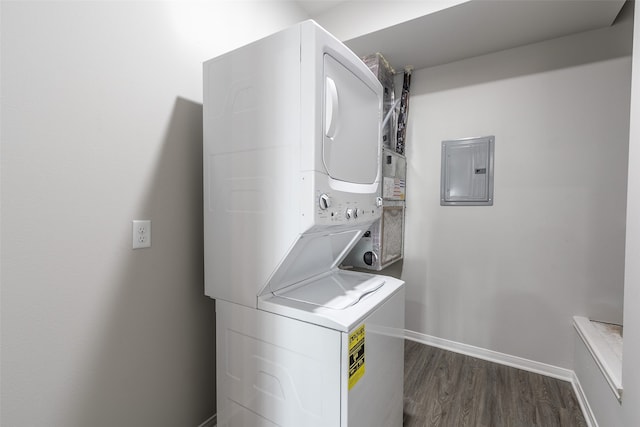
<point>141,233</point>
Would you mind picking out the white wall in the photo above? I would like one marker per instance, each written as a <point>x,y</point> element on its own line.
<point>631,355</point>
<point>510,277</point>
<point>102,124</point>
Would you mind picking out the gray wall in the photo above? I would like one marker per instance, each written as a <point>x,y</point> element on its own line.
<point>102,124</point>
<point>510,277</point>
<point>631,356</point>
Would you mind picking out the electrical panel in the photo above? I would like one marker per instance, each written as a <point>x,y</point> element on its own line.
<point>467,172</point>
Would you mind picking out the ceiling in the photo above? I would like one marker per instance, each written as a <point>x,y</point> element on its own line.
<point>479,27</point>
<point>316,7</point>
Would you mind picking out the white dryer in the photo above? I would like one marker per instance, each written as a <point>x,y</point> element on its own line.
<point>291,181</point>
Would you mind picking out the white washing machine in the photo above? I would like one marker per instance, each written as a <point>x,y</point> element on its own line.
<point>291,181</point>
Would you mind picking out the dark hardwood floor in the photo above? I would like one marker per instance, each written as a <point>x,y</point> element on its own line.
<point>447,389</point>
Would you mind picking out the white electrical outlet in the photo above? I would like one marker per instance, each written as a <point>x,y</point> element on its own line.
<point>141,233</point>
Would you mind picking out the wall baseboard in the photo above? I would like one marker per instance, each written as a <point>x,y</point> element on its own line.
<point>492,356</point>
<point>583,402</point>
<point>211,421</point>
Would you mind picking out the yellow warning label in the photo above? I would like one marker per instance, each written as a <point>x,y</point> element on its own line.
<point>356,356</point>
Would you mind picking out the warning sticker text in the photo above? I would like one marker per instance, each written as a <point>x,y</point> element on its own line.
<point>356,356</point>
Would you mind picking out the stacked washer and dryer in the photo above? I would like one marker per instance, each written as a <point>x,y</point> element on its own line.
<point>292,152</point>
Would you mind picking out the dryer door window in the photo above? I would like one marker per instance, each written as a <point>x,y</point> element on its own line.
<point>351,125</point>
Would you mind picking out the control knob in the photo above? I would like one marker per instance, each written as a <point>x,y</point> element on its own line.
<point>349,213</point>
<point>324,201</point>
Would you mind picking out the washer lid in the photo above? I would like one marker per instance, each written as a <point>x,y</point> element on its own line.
<point>311,256</point>
<point>309,302</point>
<point>335,291</point>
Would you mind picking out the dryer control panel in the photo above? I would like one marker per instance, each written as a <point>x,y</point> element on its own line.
<point>337,210</point>
<point>331,207</point>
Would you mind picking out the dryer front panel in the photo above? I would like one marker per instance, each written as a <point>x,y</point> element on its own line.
<point>351,125</point>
